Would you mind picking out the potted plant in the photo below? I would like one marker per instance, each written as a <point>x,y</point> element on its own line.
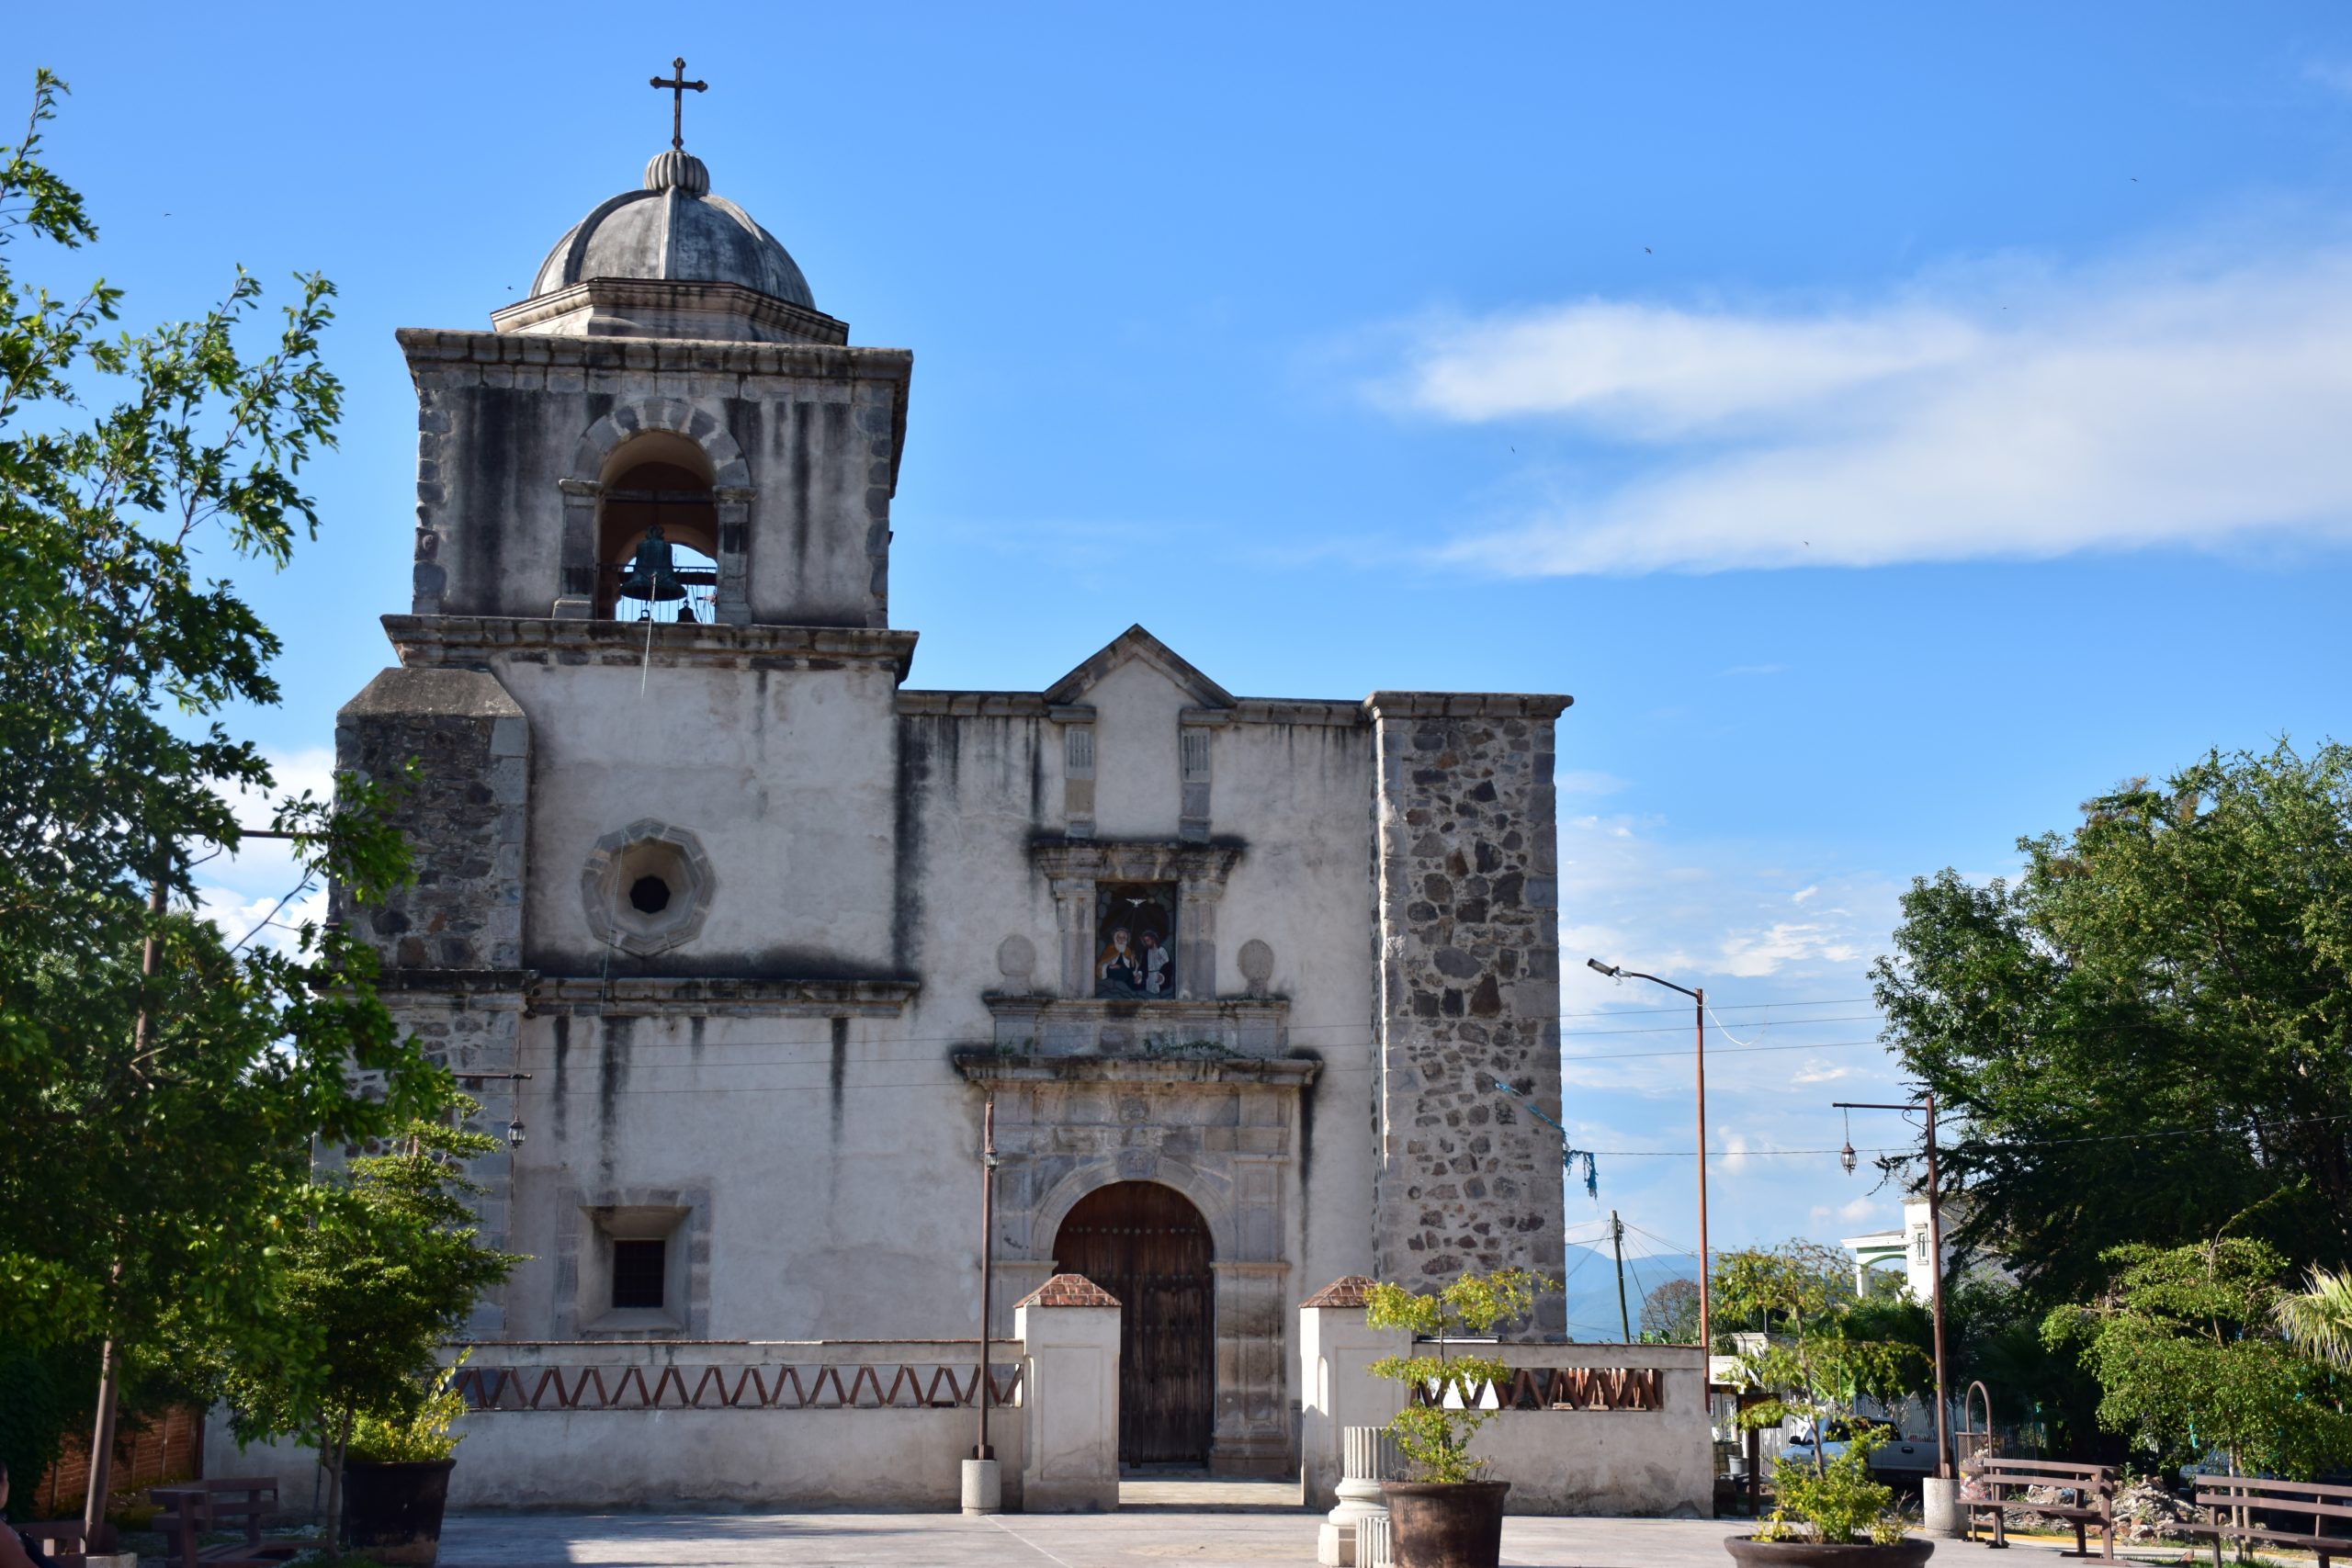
<point>1811,1357</point>
<point>1831,1515</point>
<point>382,1275</point>
<point>1446,1516</point>
<point>396,1474</point>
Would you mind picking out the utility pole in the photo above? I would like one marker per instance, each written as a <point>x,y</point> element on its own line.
<point>1925,1103</point>
<point>1699,1001</point>
<point>1617,1242</point>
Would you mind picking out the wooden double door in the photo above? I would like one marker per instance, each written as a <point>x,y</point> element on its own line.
<point>1147,1245</point>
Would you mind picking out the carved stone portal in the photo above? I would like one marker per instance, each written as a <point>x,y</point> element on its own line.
<point>1224,1135</point>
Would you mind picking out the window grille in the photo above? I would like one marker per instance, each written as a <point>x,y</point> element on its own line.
<point>638,1268</point>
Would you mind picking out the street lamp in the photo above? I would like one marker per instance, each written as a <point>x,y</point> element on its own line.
<point>1698,1001</point>
<point>1925,1103</point>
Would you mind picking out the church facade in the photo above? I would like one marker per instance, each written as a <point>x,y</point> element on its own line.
<point>767,924</point>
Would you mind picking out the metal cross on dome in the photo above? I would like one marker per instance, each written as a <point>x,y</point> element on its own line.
<point>678,87</point>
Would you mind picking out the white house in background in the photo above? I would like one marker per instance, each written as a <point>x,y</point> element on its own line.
<point>1908,1251</point>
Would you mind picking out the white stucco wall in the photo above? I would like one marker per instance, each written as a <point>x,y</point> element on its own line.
<point>787,778</point>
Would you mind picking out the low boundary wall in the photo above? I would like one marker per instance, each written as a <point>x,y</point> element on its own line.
<point>833,1424</point>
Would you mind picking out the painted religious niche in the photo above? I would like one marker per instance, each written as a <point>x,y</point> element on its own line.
<point>1135,924</point>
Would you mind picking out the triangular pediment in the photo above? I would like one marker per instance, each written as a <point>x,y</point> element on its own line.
<point>1137,644</point>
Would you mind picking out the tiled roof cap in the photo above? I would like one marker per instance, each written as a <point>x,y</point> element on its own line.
<point>1348,1290</point>
<point>1070,1291</point>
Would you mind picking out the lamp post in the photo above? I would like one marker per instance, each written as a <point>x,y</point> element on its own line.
<point>1698,1003</point>
<point>1927,1102</point>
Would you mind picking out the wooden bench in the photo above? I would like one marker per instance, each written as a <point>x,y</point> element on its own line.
<point>63,1541</point>
<point>2092,1484</point>
<point>196,1507</point>
<point>2225,1498</point>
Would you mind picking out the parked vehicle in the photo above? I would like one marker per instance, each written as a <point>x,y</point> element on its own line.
<point>1898,1455</point>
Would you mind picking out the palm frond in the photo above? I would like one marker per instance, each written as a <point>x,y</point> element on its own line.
<point>2318,1320</point>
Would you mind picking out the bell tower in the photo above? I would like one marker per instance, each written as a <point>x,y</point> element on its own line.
<point>669,370</point>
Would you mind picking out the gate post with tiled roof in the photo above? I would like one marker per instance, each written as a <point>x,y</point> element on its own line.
<point>1069,1328</point>
<point>1336,1391</point>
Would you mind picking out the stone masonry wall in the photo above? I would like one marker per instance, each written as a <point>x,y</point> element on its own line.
<point>464,815</point>
<point>1469,987</point>
<point>450,944</point>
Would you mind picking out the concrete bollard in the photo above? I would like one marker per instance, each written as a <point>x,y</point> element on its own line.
<point>983,1487</point>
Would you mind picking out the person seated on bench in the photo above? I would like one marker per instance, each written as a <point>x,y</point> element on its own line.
<point>16,1550</point>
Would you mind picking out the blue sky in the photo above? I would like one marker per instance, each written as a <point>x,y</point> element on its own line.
<point>1893,425</point>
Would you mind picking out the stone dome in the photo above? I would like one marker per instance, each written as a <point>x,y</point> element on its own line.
<point>674,230</point>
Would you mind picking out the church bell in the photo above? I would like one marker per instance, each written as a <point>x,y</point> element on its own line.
<point>652,576</point>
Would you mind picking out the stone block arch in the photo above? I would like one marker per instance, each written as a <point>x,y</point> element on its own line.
<point>1213,1198</point>
<point>591,466</point>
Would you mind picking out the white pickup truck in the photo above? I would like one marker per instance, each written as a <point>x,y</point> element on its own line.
<point>1896,1456</point>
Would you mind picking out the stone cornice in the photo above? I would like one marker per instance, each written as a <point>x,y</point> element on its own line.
<point>639,996</point>
<point>486,984</point>
<point>1465,704</point>
<point>473,641</point>
<point>438,347</point>
<point>1035,704</point>
<point>970,705</point>
<point>1173,1011</point>
<point>1202,867</point>
<point>980,1065</point>
<point>730,303</point>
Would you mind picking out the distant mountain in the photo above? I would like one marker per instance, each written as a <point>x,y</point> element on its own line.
<point>1592,1275</point>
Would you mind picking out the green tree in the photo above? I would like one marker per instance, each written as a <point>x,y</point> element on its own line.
<point>1815,1355</point>
<point>2187,1359</point>
<point>2148,1037</point>
<point>381,1273</point>
<point>1670,1314</point>
<point>163,1080</point>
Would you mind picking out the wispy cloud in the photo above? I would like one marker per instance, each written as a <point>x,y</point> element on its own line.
<point>1587,780</point>
<point>1994,412</point>
<point>1852,1214</point>
<point>1818,1071</point>
<point>2335,75</point>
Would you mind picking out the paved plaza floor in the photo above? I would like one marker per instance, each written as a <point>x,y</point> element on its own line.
<point>1205,1524</point>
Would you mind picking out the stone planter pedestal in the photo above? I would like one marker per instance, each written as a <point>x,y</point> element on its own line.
<point>1368,1457</point>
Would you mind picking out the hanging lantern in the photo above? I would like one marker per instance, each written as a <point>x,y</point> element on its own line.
<point>651,577</point>
<point>515,1133</point>
<point>1846,1158</point>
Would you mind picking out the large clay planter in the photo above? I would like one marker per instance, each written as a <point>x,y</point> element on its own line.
<point>1751,1552</point>
<point>393,1512</point>
<point>1445,1524</point>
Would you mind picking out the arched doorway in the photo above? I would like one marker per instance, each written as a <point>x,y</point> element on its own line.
<point>1147,1245</point>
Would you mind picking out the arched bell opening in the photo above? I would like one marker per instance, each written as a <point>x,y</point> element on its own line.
<point>1146,1244</point>
<point>657,533</point>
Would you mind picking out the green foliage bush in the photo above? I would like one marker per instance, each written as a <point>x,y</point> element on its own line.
<point>1836,1504</point>
<point>1436,1436</point>
<point>406,1434</point>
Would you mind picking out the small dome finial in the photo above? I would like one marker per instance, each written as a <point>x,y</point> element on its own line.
<point>677,171</point>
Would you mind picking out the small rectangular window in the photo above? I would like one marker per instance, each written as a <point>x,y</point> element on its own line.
<point>638,1270</point>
